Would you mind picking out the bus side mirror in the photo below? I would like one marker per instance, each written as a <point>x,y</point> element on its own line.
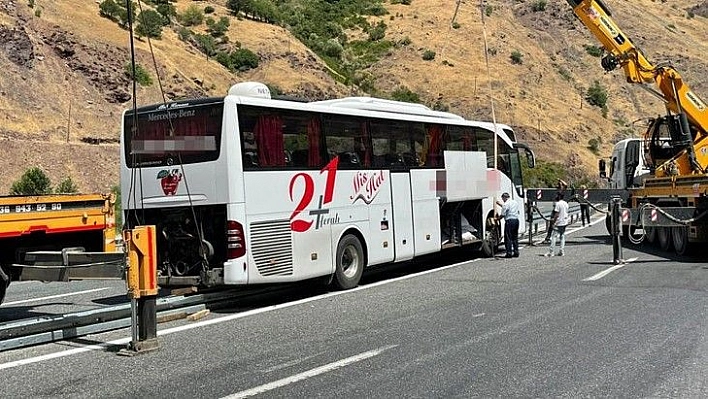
<point>530,159</point>
<point>602,167</point>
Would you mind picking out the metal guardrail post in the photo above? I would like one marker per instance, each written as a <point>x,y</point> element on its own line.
<point>529,217</point>
<point>141,277</point>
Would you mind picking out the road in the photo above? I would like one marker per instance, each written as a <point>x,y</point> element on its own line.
<point>572,326</point>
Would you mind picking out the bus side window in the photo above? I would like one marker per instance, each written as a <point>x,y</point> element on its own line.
<point>347,137</point>
<point>435,140</point>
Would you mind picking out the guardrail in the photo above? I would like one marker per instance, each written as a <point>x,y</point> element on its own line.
<point>540,221</point>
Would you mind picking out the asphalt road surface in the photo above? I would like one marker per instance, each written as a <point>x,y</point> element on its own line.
<point>572,326</point>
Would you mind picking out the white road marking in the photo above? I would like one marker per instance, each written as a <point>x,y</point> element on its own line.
<point>610,270</point>
<point>309,373</point>
<point>223,319</point>
<point>53,296</point>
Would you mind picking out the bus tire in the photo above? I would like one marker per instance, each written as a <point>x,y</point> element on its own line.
<point>663,235</point>
<point>679,237</point>
<point>492,239</point>
<point>350,263</point>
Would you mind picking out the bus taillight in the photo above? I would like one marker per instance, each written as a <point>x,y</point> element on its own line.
<point>235,240</point>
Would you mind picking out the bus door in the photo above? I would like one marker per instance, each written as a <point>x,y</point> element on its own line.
<point>402,204</point>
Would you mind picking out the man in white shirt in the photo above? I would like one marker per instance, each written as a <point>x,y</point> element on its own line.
<point>560,222</point>
<point>510,213</point>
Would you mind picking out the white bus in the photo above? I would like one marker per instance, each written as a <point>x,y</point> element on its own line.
<point>245,189</point>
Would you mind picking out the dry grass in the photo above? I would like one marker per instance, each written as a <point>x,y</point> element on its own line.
<point>543,104</point>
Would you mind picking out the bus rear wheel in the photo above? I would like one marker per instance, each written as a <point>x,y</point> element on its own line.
<point>350,262</point>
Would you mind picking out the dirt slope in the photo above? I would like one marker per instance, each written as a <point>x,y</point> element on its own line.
<point>63,87</point>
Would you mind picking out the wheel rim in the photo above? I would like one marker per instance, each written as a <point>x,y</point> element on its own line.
<point>350,261</point>
<point>493,236</point>
<point>680,239</point>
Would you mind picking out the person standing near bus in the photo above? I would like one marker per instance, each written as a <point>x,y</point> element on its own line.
<point>561,187</point>
<point>560,222</point>
<point>584,207</point>
<point>510,213</point>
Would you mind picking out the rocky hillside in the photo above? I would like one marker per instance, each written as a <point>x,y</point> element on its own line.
<point>64,86</point>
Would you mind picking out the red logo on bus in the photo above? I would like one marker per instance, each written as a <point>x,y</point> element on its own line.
<point>169,180</point>
<point>367,185</point>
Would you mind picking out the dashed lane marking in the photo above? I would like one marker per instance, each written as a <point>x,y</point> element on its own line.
<point>308,374</point>
<point>610,270</point>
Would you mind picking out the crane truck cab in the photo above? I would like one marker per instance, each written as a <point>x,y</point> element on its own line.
<point>627,165</point>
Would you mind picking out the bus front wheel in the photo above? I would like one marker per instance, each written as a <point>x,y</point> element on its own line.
<point>350,262</point>
<point>492,238</point>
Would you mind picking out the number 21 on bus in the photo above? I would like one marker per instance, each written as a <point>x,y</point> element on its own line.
<point>301,225</point>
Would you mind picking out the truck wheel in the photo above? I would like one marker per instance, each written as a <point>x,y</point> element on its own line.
<point>350,262</point>
<point>650,234</point>
<point>663,235</point>
<point>680,239</point>
<point>608,224</point>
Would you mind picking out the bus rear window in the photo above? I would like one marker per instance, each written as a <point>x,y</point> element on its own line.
<point>181,133</point>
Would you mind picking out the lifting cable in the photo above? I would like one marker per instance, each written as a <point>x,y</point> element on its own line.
<point>482,4</point>
<point>197,224</point>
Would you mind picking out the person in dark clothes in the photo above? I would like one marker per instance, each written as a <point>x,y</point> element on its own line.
<point>510,212</point>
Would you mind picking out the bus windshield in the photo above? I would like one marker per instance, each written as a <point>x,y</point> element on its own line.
<point>179,133</point>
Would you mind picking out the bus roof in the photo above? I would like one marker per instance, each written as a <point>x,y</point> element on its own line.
<point>351,106</point>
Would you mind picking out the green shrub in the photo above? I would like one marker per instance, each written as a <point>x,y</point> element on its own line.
<point>38,13</point>
<point>150,24</point>
<point>67,186</point>
<point>241,59</point>
<point>539,5</point>
<point>594,146</point>
<point>455,25</point>
<point>405,94</point>
<point>30,3</point>
<point>405,41</point>
<point>119,212</point>
<point>33,182</point>
<point>332,48</point>
<point>207,44</point>
<point>488,10</point>
<point>141,74</point>
<point>168,11</point>
<point>208,10</point>
<point>545,174</point>
<point>429,55</point>
<point>183,33</point>
<point>377,32</point>
<point>597,95</point>
<point>123,13</point>
<point>594,50</point>
<point>217,29</point>
<point>516,57</point>
<point>109,9</point>
<point>565,74</point>
<point>192,16</point>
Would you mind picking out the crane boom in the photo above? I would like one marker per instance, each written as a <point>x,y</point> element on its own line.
<point>690,120</point>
